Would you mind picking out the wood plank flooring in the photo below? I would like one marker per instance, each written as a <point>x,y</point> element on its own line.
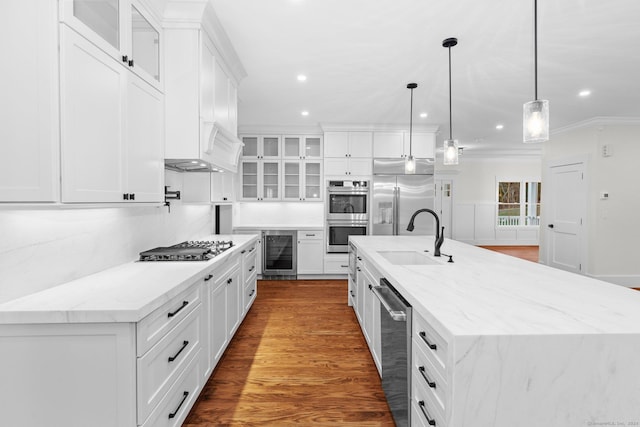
<point>525,252</point>
<point>299,358</point>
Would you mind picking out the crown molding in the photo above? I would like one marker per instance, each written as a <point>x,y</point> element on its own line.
<point>374,127</point>
<point>597,122</point>
<point>279,130</point>
<point>200,14</point>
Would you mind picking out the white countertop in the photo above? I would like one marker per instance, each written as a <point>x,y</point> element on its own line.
<point>488,293</point>
<point>126,293</point>
<point>278,227</point>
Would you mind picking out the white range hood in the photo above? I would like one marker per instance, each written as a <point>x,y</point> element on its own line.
<point>220,150</point>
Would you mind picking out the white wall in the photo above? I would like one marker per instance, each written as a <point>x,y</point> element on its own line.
<point>474,198</point>
<point>273,214</point>
<point>47,246</point>
<point>612,225</point>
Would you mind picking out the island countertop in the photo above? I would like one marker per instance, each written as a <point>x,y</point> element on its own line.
<point>487,293</point>
<point>126,293</point>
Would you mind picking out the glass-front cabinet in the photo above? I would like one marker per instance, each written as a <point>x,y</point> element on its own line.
<point>261,147</point>
<point>260,180</point>
<point>121,28</point>
<point>302,180</point>
<point>302,147</point>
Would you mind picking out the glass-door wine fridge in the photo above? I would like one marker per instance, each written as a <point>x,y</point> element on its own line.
<point>279,249</point>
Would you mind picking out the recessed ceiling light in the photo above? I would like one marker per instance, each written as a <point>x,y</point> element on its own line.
<point>305,113</point>
<point>302,77</point>
<point>585,92</point>
<point>499,127</point>
<point>423,115</point>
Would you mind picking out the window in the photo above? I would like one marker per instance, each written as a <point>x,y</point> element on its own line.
<point>519,203</point>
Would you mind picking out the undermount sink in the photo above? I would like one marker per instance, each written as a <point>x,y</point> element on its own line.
<point>408,258</point>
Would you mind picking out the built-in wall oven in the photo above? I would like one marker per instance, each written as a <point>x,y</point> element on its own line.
<point>348,201</point>
<point>347,213</point>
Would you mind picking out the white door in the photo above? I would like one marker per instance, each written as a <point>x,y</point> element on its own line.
<point>444,196</point>
<point>567,198</point>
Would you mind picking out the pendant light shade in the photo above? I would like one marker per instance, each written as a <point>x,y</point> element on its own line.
<point>535,114</point>
<point>410,161</point>
<point>450,145</point>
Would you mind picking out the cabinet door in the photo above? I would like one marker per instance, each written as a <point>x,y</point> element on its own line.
<point>336,144</point>
<point>312,180</point>
<point>291,147</point>
<point>249,175</point>
<point>234,301</point>
<point>388,145</point>
<point>270,174</point>
<point>360,166</point>
<point>336,166</point>
<point>29,110</point>
<point>250,148</point>
<point>92,88</point>
<point>222,187</point>
<point>145,44</point>
<point>312,147</point>
<point>310,252</point>
<point>144,142</point>
<point>270,147</point>
<point>292,180</point>
<point>360,144</point>
<point>217,322</point>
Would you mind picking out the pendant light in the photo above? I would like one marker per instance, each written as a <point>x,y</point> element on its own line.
<point>450,145</point>
<point>535,117</point>
<point>410,162</point>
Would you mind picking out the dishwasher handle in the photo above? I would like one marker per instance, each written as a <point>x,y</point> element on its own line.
<point>384,294</point>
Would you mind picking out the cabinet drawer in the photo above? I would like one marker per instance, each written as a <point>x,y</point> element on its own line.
<point>161,365</point>
<point>153,327</point>
<point>310,235</point>
<point>174,406</point>
<point>250,266</point>
<point>337,265</point>
<point>250,291</point>
<point>431,342</point>
<point>425,410</point>
<point>427,375</point>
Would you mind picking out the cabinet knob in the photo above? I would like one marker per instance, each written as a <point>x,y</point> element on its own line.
<point>125,58</point>
<point>131,63</point>
<point>125,196</point>
<point>132,196</point>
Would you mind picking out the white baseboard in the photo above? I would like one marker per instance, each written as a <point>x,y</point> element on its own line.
<point>630,281</point>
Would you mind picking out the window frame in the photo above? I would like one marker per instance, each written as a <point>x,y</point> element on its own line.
<point>522,218</point>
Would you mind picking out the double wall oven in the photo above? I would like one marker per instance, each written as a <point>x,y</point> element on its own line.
<point>347,213</point>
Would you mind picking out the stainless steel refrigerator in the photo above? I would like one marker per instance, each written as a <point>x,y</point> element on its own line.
<point>396,196</point>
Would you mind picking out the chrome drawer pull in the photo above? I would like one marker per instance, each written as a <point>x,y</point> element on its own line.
<point>430,421</point>
<point>184,345</point>
<point>423,335</point>
<point>251,269</point>
<point>431,384</point>
<point>184,304</point>
<point>310,235</point>
<point>174,413</point>
<point>208,277</point>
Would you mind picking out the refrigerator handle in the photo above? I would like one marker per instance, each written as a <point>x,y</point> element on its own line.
<point>396,210</point>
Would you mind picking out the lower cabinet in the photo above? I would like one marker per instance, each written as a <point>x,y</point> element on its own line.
<point>310,251</point>
<point>147,373</point>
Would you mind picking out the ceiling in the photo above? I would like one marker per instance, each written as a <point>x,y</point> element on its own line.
<point>359,55</point>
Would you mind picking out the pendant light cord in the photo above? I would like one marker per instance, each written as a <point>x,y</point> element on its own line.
<point>450,115</point>
<point>411,123</point>
<point>535,47</point>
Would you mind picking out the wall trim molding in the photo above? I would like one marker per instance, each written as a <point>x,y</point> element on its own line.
<point>597,122</point>
<point>278,130</point>
<point>375,127</point>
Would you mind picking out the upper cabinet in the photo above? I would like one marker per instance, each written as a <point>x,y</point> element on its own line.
<point>302,147</point>
<point>201,103</point>
<point>111,128</point>
<point>29,135</point>
<point>261,147</point>
<point>122,29</point>
<point>398,144</point>
<point>348,144</point>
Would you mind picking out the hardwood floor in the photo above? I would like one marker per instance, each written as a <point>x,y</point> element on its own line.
<point>299,358</point>
<point>525,252</point>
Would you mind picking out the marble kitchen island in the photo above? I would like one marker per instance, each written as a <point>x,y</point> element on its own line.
<point>513,343</point>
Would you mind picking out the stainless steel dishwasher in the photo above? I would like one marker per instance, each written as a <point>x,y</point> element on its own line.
<point>395,333</point>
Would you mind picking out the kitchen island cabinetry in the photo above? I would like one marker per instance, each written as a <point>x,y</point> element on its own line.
<point>128,346</point>
<point>498,341</point>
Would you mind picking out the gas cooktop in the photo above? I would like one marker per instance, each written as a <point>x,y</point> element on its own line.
<point>192,250</point>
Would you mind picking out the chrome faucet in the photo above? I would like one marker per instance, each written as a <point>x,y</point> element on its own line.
<point>439,233</point>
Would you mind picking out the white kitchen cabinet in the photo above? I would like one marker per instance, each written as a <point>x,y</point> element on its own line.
<point>371,314</point>
<point>258,246</point>
<point>336,263</point>
<point>302,180</point>
<point>29,111</point>
<point>396,144</point>
<point>260,180</point>
<point>123,29</point>
<point>310,253</point>
<point>111,125</point>
<point>348,144</point>
<point>249,276</point>
<point>348,166</point>
<point>222,187</point>
<point>261,147</point>
<point>302,147</point>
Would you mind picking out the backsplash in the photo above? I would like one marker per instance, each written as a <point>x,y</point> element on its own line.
<point>44,247</point>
